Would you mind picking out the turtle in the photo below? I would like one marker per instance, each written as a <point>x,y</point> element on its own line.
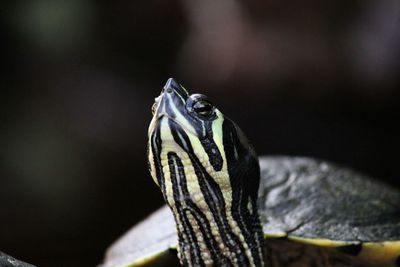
<point>8,261</point>
<point>225,206</point>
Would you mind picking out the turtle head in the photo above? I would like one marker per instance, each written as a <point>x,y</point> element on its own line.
<point>209,176</point>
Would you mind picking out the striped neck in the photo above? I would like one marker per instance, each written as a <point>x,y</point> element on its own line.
<point>209,177</point>
<point>215,228</point>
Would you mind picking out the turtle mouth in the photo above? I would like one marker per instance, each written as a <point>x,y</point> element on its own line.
<point>172,107</point>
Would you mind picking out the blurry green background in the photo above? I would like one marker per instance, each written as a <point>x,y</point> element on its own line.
<point>312,78</point>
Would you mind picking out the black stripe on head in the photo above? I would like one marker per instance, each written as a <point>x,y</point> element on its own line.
<point>212,194</point>
<point>216,202</point>
<point>244,173</point>
<point>156,150</point>
<point>205,134</point>
<point>191,207</point>
<point>202,126</point>
<point>189,238</point>
<point>211,148</point>
<point>243,165</point>
<point>204,131</point>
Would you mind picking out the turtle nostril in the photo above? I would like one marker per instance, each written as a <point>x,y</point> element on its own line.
<point>171,85</point>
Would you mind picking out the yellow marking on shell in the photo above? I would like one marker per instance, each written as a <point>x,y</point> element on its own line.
<point>320,241</point>
<point>380,253</point>
<point>377,253</point>
<point>145,260</point>
<point>275,235</point>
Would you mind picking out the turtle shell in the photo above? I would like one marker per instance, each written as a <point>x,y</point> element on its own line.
<point>301,200</point>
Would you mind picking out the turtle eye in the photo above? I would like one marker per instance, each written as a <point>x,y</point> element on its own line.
<point>203,108</point>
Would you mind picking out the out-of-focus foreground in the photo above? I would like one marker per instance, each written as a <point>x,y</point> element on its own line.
<point>313,78</point>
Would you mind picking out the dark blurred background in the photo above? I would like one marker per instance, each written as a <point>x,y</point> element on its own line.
<point>312,78</point>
